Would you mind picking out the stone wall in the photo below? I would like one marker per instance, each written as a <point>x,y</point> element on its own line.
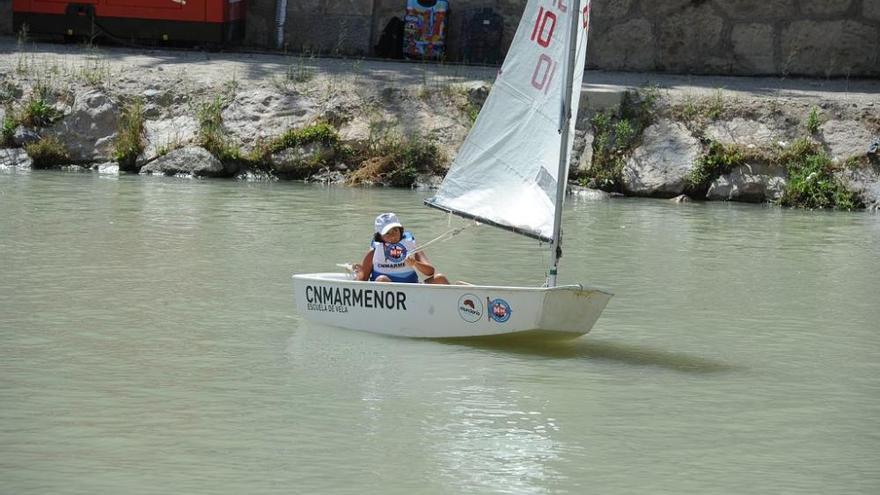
<point>460,12</point>
<point>260,23</point>
<point>5,17</point>
<point>824,38</point>
<point>781,37</point>
<point>341,27</point>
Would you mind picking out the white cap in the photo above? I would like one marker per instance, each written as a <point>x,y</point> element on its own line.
<point>386,222</point>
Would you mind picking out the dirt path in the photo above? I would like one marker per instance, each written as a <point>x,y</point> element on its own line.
<point>140,67</point>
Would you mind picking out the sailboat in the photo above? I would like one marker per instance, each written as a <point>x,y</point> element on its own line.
<point>510,173</point>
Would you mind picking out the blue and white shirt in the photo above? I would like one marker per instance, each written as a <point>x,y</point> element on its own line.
<point>388,259</point>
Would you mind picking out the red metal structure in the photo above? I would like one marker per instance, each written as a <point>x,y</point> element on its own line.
<point>214,21</point>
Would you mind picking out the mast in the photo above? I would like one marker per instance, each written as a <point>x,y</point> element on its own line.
<point>564,129</point>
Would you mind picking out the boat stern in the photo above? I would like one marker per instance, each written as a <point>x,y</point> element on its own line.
<point>572,309</point>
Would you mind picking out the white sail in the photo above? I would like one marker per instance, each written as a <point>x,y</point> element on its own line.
<point>505,173</point>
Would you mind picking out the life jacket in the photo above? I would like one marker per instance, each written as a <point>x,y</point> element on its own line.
<point>388,259</point>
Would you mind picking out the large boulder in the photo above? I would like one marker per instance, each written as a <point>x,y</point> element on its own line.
<point>477,93</point>
<point>14,158</point>
<point>264,113</point>
<point>160,101</point>
<point>662,165</point>
<point>24,135</point>
<point>427,182</point>
<point>109,168</point>
<point>168,134</point>
<point>583,148</point>
<point>297,161</point>
<point>845,139</point>
<point>754,183</point>
<point>865,182</point>
<point>588,194</point>
<point>191,160</point>
<point>88,132</point>
<point>742,132</point>
<point>327,176</point>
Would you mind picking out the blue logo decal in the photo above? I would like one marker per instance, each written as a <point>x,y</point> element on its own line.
<point>395,253</point>
<point>499,310</point>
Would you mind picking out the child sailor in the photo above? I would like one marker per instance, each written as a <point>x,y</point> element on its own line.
<point>394,256</point>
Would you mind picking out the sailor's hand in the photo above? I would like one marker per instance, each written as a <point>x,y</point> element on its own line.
<point>410,260</point>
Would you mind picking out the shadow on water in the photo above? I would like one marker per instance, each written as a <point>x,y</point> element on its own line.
<point>597,350</point>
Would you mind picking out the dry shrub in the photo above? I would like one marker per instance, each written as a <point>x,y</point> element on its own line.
<point>372,170</point>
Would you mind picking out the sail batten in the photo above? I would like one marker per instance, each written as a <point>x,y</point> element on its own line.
<point>506,173</point>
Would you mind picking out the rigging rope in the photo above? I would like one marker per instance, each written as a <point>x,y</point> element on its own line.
<point>449,234</point>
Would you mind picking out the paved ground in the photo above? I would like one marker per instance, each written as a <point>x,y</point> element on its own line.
<point>210,68</point>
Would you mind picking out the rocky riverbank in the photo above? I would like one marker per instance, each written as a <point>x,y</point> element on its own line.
<point>277,117</point>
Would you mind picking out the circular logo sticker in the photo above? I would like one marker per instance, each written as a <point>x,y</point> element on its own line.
<point>499,310</point>
<point>395,253</point>
<point>470,308</point>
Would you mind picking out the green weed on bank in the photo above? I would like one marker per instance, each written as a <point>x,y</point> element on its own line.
<point>395,160</point>
<point>718,160</point>
<point>615,135</point>
<point>317,133</point>
<point>696,111</point>
<point>47,153</point>
<point>811,180</point>
<point>321,133</point>
<point>8,131</point>
<point>211,135</point>
<point>130,136</point>
<point>813,121</point>
<point>37,112</point>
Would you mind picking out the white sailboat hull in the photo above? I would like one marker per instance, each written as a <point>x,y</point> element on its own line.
<point>447,311</point>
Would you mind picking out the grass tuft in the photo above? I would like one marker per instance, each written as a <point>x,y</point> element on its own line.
<point>36,112</point>
<point>47,153</point>
<point>8,131</point>
<point>318,133</point>
<point>211,134</point>
<point>696,112</point>
<point>719,159</point>
<point>395,160</point>
<point>811,180</point>
<point>813,120</point>
<point>614,137</point>
<point>321,132</point>
<point>130,136</point>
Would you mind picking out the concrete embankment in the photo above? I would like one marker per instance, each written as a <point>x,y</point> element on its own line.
<point>364,121</point>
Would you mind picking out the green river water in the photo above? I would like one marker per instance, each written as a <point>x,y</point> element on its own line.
<point>149,344</point>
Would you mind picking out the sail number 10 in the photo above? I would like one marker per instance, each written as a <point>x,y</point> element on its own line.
<point>542,34</point>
